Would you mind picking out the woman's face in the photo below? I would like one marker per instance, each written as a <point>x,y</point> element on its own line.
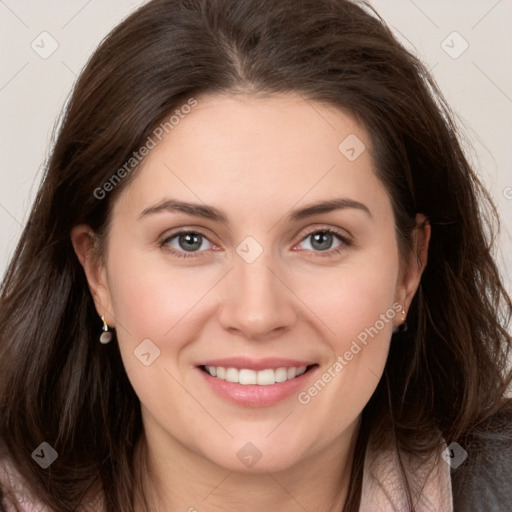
<point>255,289</point>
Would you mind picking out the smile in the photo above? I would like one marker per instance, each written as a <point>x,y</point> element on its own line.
<point>245,376</point>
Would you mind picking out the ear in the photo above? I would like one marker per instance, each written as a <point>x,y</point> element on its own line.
<point>85,244</point>
<point>410,276</point>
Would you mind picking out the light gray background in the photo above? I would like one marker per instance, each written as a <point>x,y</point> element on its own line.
<point>477,84</point>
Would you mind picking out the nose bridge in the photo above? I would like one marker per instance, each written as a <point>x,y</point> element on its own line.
<point>257,301</point>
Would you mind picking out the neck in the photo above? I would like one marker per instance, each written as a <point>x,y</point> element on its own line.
<point>177,479</point>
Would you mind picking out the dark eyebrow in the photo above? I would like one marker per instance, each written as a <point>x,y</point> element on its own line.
<point>196,209</point>
<point>212,213</point>
<point>326,207</point>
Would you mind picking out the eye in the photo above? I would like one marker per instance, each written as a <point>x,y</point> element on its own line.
<point>322,240</point>
<point>185,242</point>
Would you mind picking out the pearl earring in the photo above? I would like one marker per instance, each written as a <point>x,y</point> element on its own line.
<point>402,327</point>
<point>106,335</point>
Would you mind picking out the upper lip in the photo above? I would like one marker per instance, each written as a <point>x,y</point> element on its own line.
<point>256,364</point>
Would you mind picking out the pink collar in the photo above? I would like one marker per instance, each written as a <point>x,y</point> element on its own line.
<point>383,488</point>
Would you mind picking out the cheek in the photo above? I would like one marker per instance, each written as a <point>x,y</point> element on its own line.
<point>364,297</point>
<point>352,297</point>
<point>154,299</point>
<point>149,293</point>
<point>153,308</point>
<point>358,306</point>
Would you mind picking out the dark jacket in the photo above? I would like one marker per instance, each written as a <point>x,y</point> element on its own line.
<point>483,482</point>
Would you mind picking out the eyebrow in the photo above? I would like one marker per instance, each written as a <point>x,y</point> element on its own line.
<point>214,214</point>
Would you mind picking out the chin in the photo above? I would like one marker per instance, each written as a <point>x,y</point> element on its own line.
<point>257,457</point>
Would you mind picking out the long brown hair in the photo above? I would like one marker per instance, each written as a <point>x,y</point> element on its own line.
<point>447,373</point>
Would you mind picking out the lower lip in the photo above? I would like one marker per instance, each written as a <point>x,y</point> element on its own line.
<point>253,395</point>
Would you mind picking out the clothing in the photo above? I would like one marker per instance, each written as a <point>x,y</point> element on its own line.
<point>482,483</point>
<point>381,487</point>
<point>10,479</point>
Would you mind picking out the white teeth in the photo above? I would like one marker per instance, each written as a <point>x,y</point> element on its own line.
<point>301,370</point>
<point>248,377</point>
<point>266,377</point>
<point>281,374</point>
<point>262,377</point>
<point>232,374</point>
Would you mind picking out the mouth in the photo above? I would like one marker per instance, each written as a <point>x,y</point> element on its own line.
<point>256,384</point>
<point>247,377</point>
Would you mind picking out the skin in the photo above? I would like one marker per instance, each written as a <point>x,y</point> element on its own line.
<point>255,159</point>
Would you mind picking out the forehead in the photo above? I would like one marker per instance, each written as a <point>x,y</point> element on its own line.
<point>253,151</point>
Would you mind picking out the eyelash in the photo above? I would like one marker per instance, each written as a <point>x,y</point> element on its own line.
<point>330,252</point>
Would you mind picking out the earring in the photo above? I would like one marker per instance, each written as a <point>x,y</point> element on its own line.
<point>106,335</point>
<point>402,327</point>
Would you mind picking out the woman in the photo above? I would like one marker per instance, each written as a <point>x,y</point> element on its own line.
<point>257,276</point>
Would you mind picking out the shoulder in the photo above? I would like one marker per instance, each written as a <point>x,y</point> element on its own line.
<point>16,496</point>
<point>14,493</point>
<point>483,482</point>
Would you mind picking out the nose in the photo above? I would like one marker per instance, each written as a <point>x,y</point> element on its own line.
<point>258,303</point>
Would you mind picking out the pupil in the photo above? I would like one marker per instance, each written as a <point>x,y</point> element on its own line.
<point>192,241</point>
<point>321,238</point>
